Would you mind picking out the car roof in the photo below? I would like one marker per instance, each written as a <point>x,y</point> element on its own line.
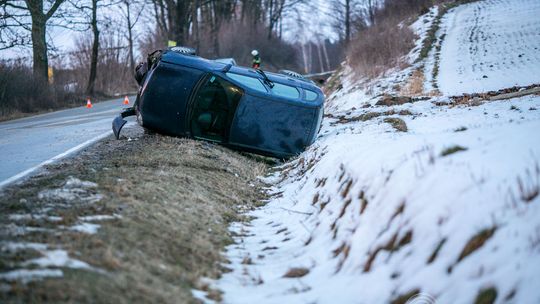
<point>213,66</point>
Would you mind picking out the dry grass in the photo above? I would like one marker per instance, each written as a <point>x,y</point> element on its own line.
<point>414,85</point>
<point>343,119</point>
<point>389,100</point>
<point>380,47</point>
<point>397,123</point>
<point>476,242</point>
<point>404,298</point>
<point>529,186</point>
<point>486,296</point>
<point>392,245</point>
<point>296,272</point>
<point>452,150</point>
<point>435,253</point>
<point>176,198</point>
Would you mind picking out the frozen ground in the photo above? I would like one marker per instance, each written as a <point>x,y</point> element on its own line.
<point>449,209</point>
<point>489,45</point>
<point>365,210</point>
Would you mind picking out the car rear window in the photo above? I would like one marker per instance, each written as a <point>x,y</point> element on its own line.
<point>285,91</point>
<point>250,82</point>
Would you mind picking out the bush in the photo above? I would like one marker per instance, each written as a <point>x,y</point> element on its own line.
<point>381,45</point>
<point>20,92</point>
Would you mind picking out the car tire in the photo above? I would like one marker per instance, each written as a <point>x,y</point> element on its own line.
<point>184,50</point>
<point>292,74</point>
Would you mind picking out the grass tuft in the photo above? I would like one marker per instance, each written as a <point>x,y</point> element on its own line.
<point>486,296</point>
<point>397,123</point>
<point>404,298</point>
<point>476,242</point>
<point>296,272</point>
<point>452,150</point>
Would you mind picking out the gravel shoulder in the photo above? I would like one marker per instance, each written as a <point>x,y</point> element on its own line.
<point>138,220</point>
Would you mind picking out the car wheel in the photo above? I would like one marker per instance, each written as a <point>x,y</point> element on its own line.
<point>184,50</point>
<point>292,74</point>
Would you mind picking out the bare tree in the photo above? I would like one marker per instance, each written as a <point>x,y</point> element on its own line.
<point>15,12</point>
<point>343,15</point>
<point>95,49</point>
<point>12,19</point>
<point>131,11</point>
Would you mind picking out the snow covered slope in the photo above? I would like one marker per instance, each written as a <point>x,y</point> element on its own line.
<point>433,197</point>
<point>490,45</point>
<point>373,214</point>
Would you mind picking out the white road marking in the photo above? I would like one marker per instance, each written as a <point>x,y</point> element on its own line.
<point>54,159</point>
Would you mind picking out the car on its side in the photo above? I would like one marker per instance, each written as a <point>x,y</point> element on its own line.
<point>185,95</point>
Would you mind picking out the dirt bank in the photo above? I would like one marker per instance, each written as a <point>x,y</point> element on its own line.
<point>139,220</point>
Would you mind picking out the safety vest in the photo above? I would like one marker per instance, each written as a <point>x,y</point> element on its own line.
<point>256,62</point>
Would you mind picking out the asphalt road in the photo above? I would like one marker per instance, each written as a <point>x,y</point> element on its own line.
<point>28,143</point>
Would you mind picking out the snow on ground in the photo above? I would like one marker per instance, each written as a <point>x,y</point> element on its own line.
<point>73,191</point>
<point>449,209</point>
<point>490,45</point>
<point>365,209</point>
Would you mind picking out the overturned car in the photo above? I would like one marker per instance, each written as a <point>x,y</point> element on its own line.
<point>184,95</point>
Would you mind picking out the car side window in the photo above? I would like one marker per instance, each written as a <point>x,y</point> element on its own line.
<point>311,96</point>
<point>285,91</point>
<point>250,82</point>
<point>213,109</point>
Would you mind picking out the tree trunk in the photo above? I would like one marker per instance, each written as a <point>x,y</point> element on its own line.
<point>90,90</point>
<point>130,38</point>
<point>195,18</point>
<point>39,48</point>
<point>347,21</point>
<point>270,19</point>
<point>39,39</point>
<point>325,52</point>
<point>321,64</point>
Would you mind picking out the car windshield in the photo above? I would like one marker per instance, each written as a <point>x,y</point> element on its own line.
<point>250,82</point>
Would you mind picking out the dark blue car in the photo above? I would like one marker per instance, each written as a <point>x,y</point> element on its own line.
<point>246,109</point>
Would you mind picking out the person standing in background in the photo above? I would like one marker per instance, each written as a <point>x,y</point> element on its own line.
<point>256,59</point>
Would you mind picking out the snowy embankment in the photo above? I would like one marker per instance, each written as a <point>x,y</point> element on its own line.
<point>428,196</point>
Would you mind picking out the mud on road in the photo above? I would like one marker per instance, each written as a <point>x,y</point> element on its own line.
<point>139,220</point>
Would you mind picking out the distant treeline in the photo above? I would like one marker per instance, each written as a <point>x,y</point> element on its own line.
<point>113,35</point>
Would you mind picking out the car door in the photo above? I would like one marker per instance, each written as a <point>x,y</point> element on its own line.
<point>212,109</point>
